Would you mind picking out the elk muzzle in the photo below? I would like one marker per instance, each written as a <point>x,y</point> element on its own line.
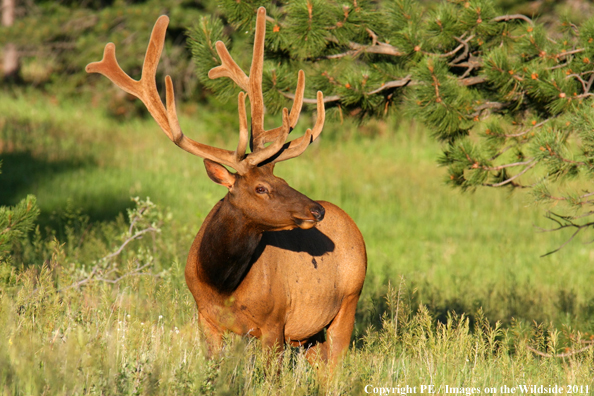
<point>317,212</point>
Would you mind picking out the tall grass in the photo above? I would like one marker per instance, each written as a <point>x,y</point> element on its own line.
<point>141,337</point>
<point>468,261</point>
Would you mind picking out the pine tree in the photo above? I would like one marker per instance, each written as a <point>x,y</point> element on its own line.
<point>509,99</point>
<point>15,222</point>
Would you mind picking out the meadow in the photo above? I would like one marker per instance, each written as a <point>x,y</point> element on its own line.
<point>456,292</point>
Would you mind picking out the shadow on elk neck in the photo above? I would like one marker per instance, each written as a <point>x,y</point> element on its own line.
<point>226,278</point>
<point>312,241</point>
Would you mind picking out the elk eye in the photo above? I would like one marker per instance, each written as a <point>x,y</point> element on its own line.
<point>261,190</point>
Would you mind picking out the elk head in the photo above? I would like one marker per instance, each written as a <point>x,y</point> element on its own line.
<point>254,191</point>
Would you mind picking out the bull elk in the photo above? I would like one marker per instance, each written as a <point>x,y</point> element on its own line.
<point>264,263</point>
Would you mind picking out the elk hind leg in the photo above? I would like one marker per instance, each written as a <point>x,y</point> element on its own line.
<point>338,334</point>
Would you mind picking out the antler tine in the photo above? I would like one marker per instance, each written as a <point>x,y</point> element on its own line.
<point>255,92</point>
<point>278,150</point>
<point>221,156</point>
<point>297,146</point>
<point>109,67</point>
<point>142,89</point>
<point>272,134</point>
<point>319,125</point>
<point>292,150</point>
<point>253,84</point>
<point>146,90</point>
<point>243,129</point>
<point>153,54</point>
<point>298,101</point>
<point>262,155</point>
<point>229,68</point>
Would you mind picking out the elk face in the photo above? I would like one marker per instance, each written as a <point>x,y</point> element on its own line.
<point>266,200</point>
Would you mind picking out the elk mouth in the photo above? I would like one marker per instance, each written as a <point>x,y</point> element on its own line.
<point>305,224</point>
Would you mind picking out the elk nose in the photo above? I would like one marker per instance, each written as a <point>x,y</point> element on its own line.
<point>318,212</point>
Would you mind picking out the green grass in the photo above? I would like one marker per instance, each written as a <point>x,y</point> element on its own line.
<point>475,254</point>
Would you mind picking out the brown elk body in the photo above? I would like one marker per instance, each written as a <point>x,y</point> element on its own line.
<point>268,261</point>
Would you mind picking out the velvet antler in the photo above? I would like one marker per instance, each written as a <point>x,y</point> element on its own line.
<point>146,90</point>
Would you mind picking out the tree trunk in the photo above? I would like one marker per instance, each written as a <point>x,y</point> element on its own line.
<point>10,64</point>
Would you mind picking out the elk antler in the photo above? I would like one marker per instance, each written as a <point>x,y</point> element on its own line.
<point>253,86</point>
<point>146,90</point>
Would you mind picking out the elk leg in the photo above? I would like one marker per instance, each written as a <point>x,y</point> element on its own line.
<point>338,335</point>
<point>316,349</point>
<point>212,335</point>
<point>272,345</point>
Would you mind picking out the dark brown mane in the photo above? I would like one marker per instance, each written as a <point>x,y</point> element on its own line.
<point>227,250</point>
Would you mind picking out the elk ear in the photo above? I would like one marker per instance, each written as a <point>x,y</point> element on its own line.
<point>270,166</point>
<point>219,174</point>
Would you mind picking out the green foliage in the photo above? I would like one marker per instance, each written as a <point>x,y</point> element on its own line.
<point>305,34</point>
<point>15,222</point>
<point>77,318</point>
<point>205,34</point>
<point>83,166</point>
<point>508,97</point>
<point>475,255</point>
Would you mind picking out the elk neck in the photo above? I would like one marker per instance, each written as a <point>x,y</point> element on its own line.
<point>228,246</point>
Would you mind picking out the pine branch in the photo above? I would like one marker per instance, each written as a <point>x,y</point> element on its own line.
<point>580,79</point>
<point>589,84</point>
<point>335,98</point>
<point>488,105</point>
<point>463,44</point>
<point>355,49</point>
<point>505,18</point>
<point>327,99</point>
<point>467,82</point>
<point>406,81</point>
<point>466,51</point>
<point>512,165</point>
<point>563,223</point>
<point>573,199</point>
<point>511,179</point>
<point>575,51</point>
<point>520,134</point>
<point>501,152</point>
<point>16,221</point>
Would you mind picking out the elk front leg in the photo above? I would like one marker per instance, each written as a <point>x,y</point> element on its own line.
<point>212,335</point>
<point>273,344</point>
